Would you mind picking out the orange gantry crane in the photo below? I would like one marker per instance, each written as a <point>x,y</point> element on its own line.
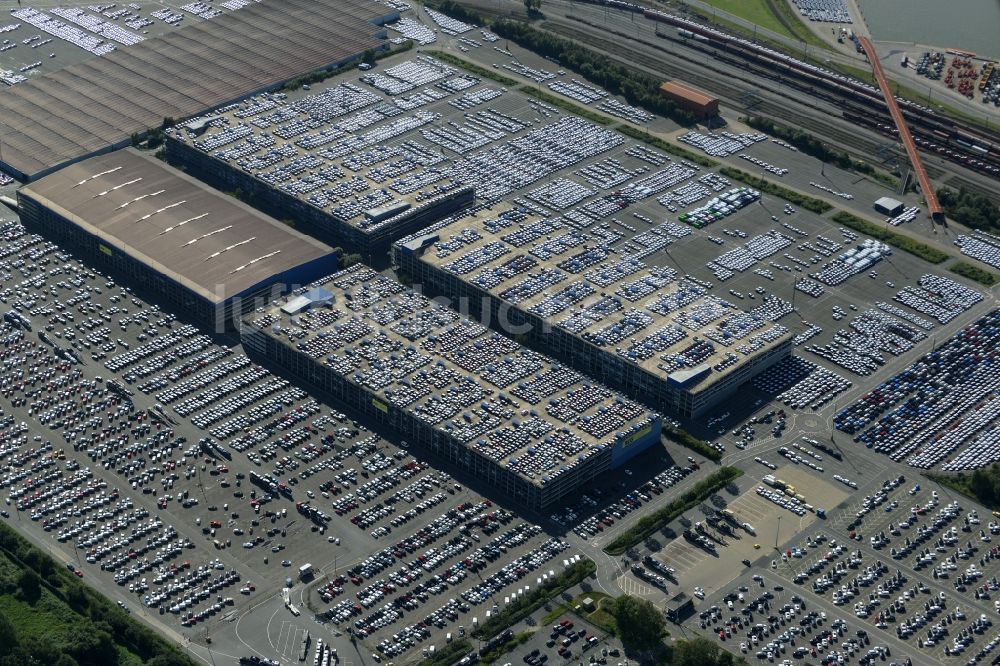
<point>904,132</point>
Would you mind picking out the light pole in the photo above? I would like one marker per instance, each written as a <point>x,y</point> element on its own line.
<point>776,532</point>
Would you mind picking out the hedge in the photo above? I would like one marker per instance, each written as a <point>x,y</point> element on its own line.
<point>566,105</point>
<point>516,611</point>
<point>904,243</point>
<point>809,203</point>
<point>472,68</point>
<point>505,647</point>
<point>448,655</point>
<point>689,441</point>
<point>975,273</point>
<point>655,521</point>
<point>666,146</point>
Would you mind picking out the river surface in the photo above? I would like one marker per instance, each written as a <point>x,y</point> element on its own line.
<point>970,25</point>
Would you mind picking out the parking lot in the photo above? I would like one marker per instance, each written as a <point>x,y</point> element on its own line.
<point>180,478</point>
<point>910,568</point>
<point>189,483</point>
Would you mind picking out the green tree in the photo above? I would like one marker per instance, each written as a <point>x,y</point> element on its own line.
<point>65,660</point>
<point>368,57</point>
<point>169,659</point>
<point>90,646</point>
<point>8,637</point>
<point>699,652</point>
<point>348,260</point>
<point>640,623</point>
<point>533,6</point>
<point>30,585</point>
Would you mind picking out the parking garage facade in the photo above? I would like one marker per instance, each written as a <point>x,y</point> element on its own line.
<point>307,218</point>
<point>466,440</point>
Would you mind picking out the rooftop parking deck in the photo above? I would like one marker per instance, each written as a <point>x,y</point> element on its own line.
<point>604,286</point>
<point>518,408</point>
<point>325,149</point>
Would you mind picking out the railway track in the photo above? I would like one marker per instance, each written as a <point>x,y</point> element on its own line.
<point>856,144</point>
<point>818,119</point>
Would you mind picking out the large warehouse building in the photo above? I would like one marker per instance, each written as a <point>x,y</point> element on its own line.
<point>203,253</point>
<point>97,105</point>
<point>599,308</point>
<point>346,163</point>
<point>529,428</point>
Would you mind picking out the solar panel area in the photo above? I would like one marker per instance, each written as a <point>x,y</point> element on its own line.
<point>98,104</point>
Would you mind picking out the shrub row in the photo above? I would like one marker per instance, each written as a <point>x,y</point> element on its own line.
<point>817,206</point>
<point>655,521</point>
<point>449,654</point>
<point>516,611</point>
<point>689,441</point>
<point>975,273</point>
<point>666,146</point>
<point>472,68</point>
<point>904,243</point>
<point>566,105</point>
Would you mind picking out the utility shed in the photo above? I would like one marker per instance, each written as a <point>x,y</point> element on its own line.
<point>889,206</point>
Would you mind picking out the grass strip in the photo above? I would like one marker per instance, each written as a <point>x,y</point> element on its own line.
<point>566,105</point>
<point>655,521</point>
<point>472,68</point>
<point>974,273</point>
<point>500,650</point>
<point>448,655</point>
<point>904,243</point>
<point>666,146</point>
<point>797,198</point>
<point>41,601</point>
<point>689,441</point>
<point>533,600</point>
<point>599,617</point>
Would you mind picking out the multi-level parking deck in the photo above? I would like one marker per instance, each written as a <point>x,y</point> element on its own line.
<point>359,163</point>
<point>531,428</point>
<point>600,301</point>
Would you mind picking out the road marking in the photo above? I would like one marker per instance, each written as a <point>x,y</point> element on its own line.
<point>633,587</point>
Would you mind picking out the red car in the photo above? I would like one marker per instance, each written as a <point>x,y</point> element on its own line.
<point>78,573</point>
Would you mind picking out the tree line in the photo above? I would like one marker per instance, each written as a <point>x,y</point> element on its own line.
<point>972,210</point>
<point>89,629</point>
<point>637,87</point>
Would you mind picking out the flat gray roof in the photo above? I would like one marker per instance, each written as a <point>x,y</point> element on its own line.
<point>98,104</point>
<point>209,242</point>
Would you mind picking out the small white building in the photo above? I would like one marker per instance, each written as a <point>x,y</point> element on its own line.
<point>889,206</point>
